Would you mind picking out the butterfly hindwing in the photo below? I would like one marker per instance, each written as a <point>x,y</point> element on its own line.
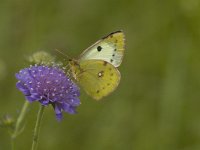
<point>99,78</point>
<point>109,49</point>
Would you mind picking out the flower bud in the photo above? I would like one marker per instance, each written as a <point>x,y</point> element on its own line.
<point>42,58</point>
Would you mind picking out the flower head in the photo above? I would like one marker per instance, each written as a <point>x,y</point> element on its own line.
<point>49,85</point>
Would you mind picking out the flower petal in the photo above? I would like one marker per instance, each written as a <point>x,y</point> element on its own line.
<point>22,88</point>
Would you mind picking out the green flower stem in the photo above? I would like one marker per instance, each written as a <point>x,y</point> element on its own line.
<point>18,128</point>
<point>37,128</point>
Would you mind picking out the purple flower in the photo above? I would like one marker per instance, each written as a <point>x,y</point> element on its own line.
<point>49,85</point>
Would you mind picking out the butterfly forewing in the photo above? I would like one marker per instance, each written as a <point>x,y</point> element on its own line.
<point>99,78</point>
<point>109,49</point>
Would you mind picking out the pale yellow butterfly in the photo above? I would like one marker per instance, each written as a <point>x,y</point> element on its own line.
<point>96,68</point>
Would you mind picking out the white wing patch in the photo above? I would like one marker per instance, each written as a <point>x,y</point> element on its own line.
<point>109,49</point>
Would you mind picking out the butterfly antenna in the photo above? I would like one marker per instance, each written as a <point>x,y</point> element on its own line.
<point>69,58</point>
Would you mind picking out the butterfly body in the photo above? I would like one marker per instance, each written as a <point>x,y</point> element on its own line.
<point>96,68</point>
<point>75,68</point>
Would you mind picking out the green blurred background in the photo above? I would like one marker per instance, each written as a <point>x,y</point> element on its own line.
<point>157,104</point>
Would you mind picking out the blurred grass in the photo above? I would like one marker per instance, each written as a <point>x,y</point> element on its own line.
<point>157,103</point>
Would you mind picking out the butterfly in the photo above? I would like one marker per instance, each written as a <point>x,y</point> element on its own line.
<point>96,68</point>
